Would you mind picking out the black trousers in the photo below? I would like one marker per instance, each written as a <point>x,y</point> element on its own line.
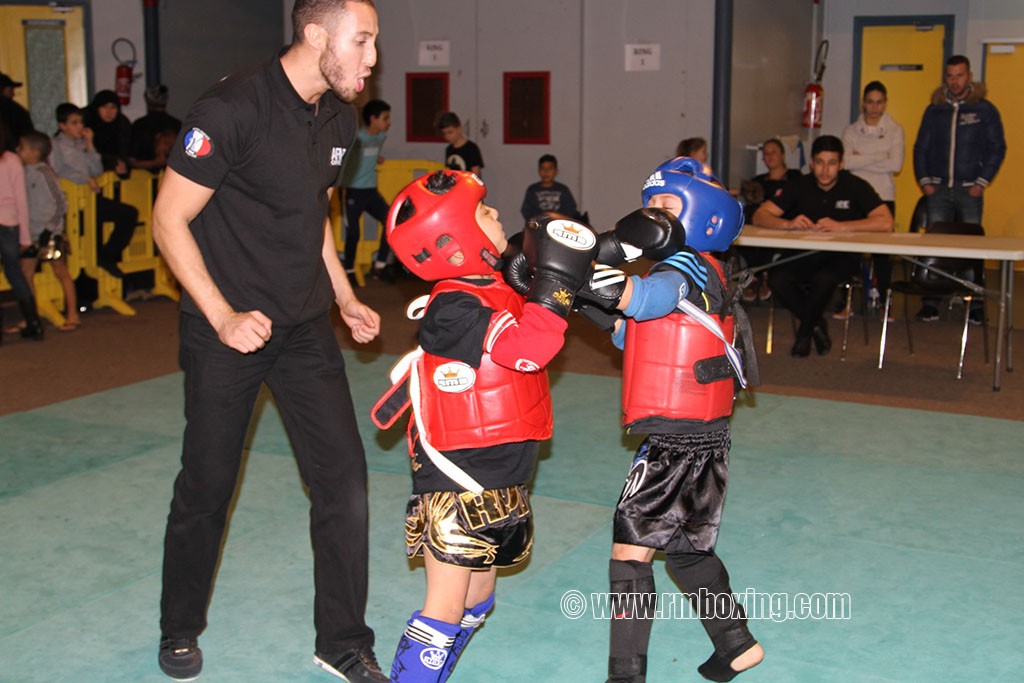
<point>305,371</point>
<point>124,217</point>
<point>805,286</point>
<point>358,201</point>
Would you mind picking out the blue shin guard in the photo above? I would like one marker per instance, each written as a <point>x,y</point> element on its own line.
<point>472,618</point>
<point>423,650</point>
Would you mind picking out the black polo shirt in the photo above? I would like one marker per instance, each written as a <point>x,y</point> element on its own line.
<point>850,199</point>
<point>270,157</point>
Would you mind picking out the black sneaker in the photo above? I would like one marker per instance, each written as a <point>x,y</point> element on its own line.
<point>927,314</point>
<point>976,316</point>
<point>358,665</point>
<point>181,658</point>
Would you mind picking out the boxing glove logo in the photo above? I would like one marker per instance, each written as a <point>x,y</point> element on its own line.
<point>572,235</point>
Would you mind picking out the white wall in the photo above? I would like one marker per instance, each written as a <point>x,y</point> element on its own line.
<point>113,19</point>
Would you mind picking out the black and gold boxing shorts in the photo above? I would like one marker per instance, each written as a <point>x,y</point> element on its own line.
<point>465,529</point>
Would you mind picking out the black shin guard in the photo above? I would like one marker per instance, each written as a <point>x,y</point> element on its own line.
<point>633,602</point>
<point>706,583</point>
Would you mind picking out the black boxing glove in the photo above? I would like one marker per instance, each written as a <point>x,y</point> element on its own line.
<point>559,252</point>
<point>604,286</point>
<point>515,270</point>
<point>653,233</point>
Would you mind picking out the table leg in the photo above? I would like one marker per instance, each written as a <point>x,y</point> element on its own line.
<point>1004,280</point>
<point>1009,317</point>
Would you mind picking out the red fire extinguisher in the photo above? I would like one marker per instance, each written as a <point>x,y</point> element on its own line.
<point>814,93</point>
<point>123,76</point>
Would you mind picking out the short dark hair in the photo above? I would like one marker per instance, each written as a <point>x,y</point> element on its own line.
<point>323,12</point>
<point>959,59</point>
<point>448,119</point>
<point>774,141</point>
<point>546,158</point>
<point>40,142</point>
<point>827,143</point>
<point>374,108</point>
<point>66,109</point>
<point>875,86</point>
<point>687,146</point>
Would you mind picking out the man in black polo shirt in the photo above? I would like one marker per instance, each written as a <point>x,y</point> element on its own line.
<point>828,199</point>
<point>241,220</point>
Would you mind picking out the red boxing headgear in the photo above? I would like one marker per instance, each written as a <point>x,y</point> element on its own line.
<point>440,225</point>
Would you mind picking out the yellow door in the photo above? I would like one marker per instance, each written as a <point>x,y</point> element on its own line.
<point>909,61</point>
<point>44,48</point>
<point>1004,72</point>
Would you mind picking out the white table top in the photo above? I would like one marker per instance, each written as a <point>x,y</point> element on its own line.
<point>908,243</point>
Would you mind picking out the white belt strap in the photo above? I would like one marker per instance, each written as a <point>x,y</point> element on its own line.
<point>446,466</point>
<point>709,323</point>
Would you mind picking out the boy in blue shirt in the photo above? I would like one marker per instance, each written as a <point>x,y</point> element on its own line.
<point>548,195</point>
<point>361,193</point>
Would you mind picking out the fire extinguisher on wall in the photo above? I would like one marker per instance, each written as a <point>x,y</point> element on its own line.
<point>814,93</point>
<point>124,74</point>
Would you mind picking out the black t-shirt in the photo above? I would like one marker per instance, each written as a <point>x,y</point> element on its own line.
<point>271,158</point>
<point>849,199</point>
<point>463,158</point>
<point>454,326</point>
<point>145,130</point>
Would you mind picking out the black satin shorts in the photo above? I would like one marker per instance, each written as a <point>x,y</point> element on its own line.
<point>464,529</point>
<point>675,492</point>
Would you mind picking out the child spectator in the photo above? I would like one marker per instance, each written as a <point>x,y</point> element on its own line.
<point>460,154</point>
<point>74,158</point>
<point>548,195</point>
<point>480,397</point>
<point>47,207</point>
<point>15,237</point>
<point>361,193</point>
<point>679,370</point>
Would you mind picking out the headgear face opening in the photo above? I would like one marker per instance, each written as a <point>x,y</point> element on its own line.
<point>711,216</point>
<point>440,227</point>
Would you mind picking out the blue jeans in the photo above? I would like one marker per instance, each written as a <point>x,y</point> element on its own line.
<point>954,204</point>
<point>10,255</point>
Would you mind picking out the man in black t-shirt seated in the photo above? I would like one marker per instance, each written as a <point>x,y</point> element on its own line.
<point>828,199</point>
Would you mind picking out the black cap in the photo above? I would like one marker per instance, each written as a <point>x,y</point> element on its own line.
<point>7,82</point>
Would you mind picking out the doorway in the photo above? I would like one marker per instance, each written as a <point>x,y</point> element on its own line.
<point>45,49</point>
<point>907,54</point>
<point>1002,72</point>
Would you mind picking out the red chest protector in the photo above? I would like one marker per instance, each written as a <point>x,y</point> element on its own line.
<point>658,378</point>
<point>463,407</point>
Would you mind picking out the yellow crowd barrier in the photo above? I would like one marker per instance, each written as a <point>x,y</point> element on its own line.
<point>138,190</point>
<point>392,176</point>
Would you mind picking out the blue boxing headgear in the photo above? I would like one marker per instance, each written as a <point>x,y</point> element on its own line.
<point>711,217</point>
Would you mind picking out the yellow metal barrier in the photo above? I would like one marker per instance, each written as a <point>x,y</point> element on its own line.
<point>392,176</point>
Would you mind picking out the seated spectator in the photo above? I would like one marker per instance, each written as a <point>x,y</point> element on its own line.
<point>112,131</point>
<point>754,192</point>
<point>47,207</point>
<point>548,195</point>
<point>153,135</point>
<point>828,199</point>
<point>695,148</point>
<point>75,158</point>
